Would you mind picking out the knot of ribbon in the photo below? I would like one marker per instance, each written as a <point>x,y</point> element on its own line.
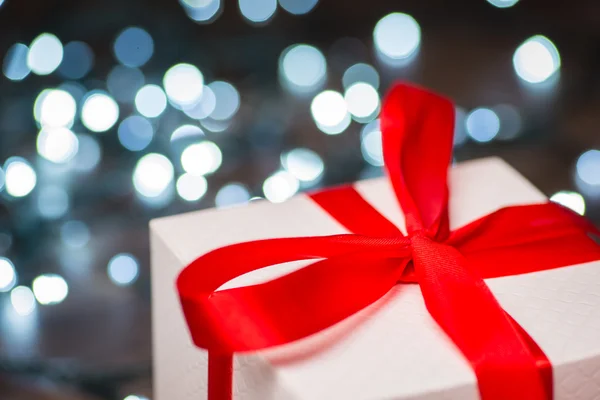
<point>352,271</point>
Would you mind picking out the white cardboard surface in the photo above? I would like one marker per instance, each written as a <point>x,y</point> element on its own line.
<point>392,350</point>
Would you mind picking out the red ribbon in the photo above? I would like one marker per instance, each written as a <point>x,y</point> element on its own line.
<point>357,269</point>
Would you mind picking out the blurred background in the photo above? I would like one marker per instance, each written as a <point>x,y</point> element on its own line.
<point>116,112</point>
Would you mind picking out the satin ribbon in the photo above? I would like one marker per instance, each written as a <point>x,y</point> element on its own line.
<point>352,271</point>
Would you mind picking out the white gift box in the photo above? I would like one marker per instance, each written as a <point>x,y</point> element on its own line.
<point>393,349</point>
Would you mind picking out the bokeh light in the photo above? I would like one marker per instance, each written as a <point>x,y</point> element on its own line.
<point>57,108</point>
<point>52,202</point>
<point>360,73</point>
<point>2,181</point>
<point>397,37</point>
<point>89,153</point>
<point>503,3</point>
<point>22,300</point>
<point>298,7</point>
<point>215,126</point>
<point>77,61</point>
<point>50,289</point>
<point>227,100</point>
<point>257,11</point>
<point>133,47</point>
<point>202,11</point>
<point>15,65</point>
<point>201,158</point>
<point>280,186</point>
<point>302,68</point>
<point>20,177</point>
<point>151,101</point>
<point>330,112</point>
<point>45,54</point>
<point>370,145</point>
<point>191,187</point>
<point>8,275</point>
<point>124,82</point>
<point>536,59</point>
<point>58,145</point>
<point>39,101</point>
<point>569,199</point>
<point>183,84</point>
<point>135,396</point>
<point>75,234</point>
<point>304,164</point>
<point>99,112</point>
<point>362,100</point>
<point>588,167</point>
<point>135,133</point>
<point>232,194</point>
<point>152,175</point>
<point>123,269</point>
<point>189,132</point>
<point>204,107</point>
<point>482,125</point>
<point>195,3</point>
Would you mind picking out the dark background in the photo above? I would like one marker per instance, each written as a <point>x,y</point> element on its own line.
<point>96,344</point>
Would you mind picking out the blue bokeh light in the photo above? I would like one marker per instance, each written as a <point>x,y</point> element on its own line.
<point>397,37</point>
<point>298,7</point>
<point>151,101</point>
<point>232,194</point>
<point>78,60</point>
<point>45,54</point>
<point>482,125</point>
<point>15,65</point>
<point>135,133</point>
<point>123,269</point>
<point>258,11</point>
<point>227,100</point>
<point>302,68</point>
<point>361,73</point>
<point>133,47</point>
<point>202,11</point>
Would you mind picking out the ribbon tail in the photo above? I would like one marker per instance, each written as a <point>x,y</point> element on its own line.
<point>523,239</point>
<point>464,307</point>
<point>544,366</point>
<point>220,376</point>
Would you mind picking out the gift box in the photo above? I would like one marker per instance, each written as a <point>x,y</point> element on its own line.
<point>393,348</point>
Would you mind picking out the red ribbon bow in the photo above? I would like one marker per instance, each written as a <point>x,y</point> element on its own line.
<point>359,268</point>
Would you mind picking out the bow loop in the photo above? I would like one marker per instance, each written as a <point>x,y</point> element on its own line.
<point>280,311</point>
<point>417,128</point>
